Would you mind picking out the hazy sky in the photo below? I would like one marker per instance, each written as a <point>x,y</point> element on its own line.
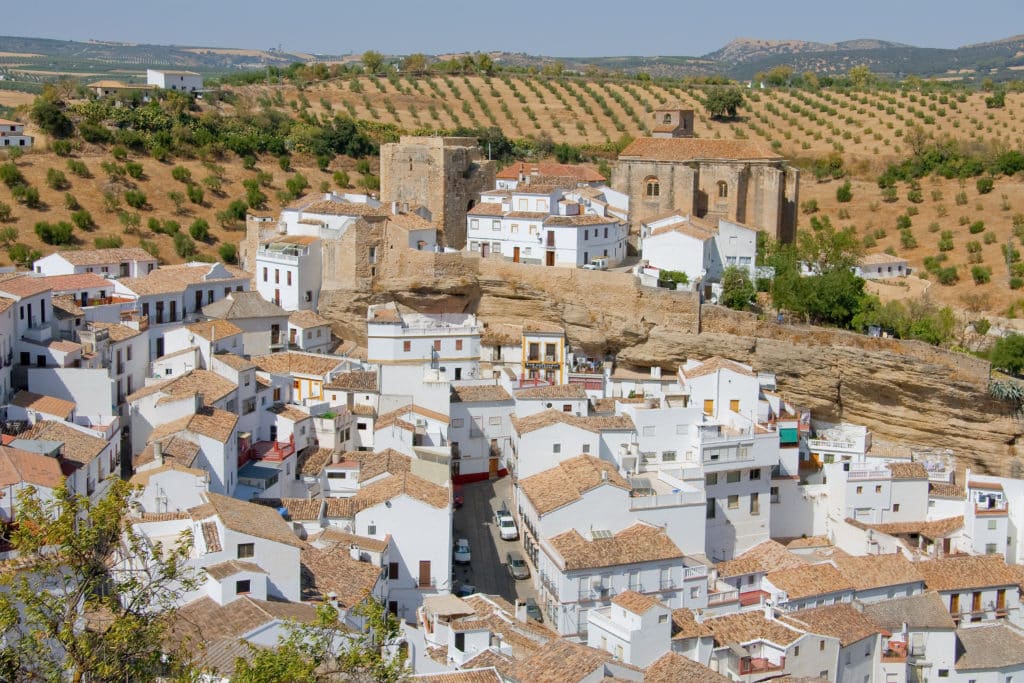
<point>598,27</point>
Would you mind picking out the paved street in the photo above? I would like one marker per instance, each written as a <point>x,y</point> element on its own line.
<point>475,521</point>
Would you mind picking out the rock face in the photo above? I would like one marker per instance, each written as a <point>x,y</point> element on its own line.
<point>903,391</point>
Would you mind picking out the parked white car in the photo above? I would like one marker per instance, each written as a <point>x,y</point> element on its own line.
<point>507,528</point>
<point>461,554</point>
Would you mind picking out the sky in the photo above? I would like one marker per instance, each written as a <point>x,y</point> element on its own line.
<point>538,27</point>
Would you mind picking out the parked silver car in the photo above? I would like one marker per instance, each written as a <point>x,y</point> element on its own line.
<point>517,566</point>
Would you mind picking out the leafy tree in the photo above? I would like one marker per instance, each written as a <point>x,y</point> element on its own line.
<point>860,76</point>
<point>324,651</point>
<point>178,199</point>
<point>415,64</point>
<point>373,61</point>
<point>108,242</point>
<point>985,184</point>
<point>183,245</point>
<point>341,179</point>
<point>199,230</point>
<point>844,193</point>
<point>69,542</point>
<point>11,175</point>
<point>737,289</point>
<point>22,254</point>
<point>1008,353</point>
<point>135,199</point>
<point>50,117</point>
<point>181,174</point>
<point>83,219</point>
<point>195,194</point>
<point>228,252</point>
<point>8,235</point>
<point>56,179</point>
<point>724,102</point>
<point>55,233</point>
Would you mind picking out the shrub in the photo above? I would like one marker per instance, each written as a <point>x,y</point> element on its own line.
<point>213,184</point>
<point>183,245</point>
<point>79,168</point>
<point>133,169</point>
<point>248,162</point>
<point>228,252</point>
<point>151,248</point>
<point>907,240</point>
<point>912,210</point>
<point>5,212</point>
<point>981,274</point>
<point>30,197</point>
<point>947,275</point>
<point>370,182</point>
<point>94,133</point>
<point>985,184</point>
<point>341,179</point>
<point>946,241</point>
<point>135,198</point>
<point>11,175</point>
<point>195,194</point>
<point>199,230</point>
<point>22,254</point>
<point>976,227</point>
<point>915,196</point>
<point>902,222</point>
<point>129,222</point>
<point>990,238</point>
<point>889,194</point>
<point>61,148</point>
<point>844,193</point>
<point>973,247</point>
<point>285,162</point>
<point>178,199</point>
<point>181,174</point>
<point>83,220</point>
<point>810,206</point>
<point>55,233</point>
<point>362,167</point>
<point>933,226</point>
<point>56,180</point>
<point>108,242</point>
<point>1016,282</point>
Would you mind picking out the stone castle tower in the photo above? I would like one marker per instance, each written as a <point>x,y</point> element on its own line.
<point>445,175</point>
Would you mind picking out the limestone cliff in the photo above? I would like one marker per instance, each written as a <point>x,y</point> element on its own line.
<point>906,391</point>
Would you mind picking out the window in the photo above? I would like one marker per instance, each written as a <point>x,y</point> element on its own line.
<point>556,448</point>
<point>494,420</point>
<point>711,479</point>
<point>458,422</point>
<point>711,509</point>
<point>392,570</point>
<point>373,255</point>
<point>371,530</point>
<point>943,673</point>
<point>515,228</point>
<point>796,651</point>
<point>821,645</point>
<point>694,592</point>
<point>723,189</point>
<point>667,119</point>
<point>709,406</point>
<point>242,587</point>
<point>860,489</point>
<point>496,226</point>
<point>991,549</point>
<point>774,491</point>
<point>458,344</point>
<point>264,274</point>
<point>407,346</point>
<point>586,448</point>
<point>668,456</point>
<point>437,344</point>
<point>895,507</point>
<point>734,502</point>
<point>755,503</point>
<point>878,488</point>
<point>992,524</point>
<point>277,276</point>
<point>651,187</point>
<point>246,550</point>
<point>755,474</point>
<point>309,295</point>
<point>474,224</point>
<point>734,405</point>
<point>732,477</point>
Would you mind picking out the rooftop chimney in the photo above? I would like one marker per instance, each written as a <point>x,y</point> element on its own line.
<point>521,612</point>
<point>158,452</point>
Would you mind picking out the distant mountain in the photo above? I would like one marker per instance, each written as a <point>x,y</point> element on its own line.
<point>752,49</point>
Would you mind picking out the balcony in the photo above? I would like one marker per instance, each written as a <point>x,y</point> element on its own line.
<point>272,451</point>
<point>721,597</point>
<point>860,474</point>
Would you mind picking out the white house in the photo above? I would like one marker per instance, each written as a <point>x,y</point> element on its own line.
<point>480,431</point>
<point>288,271</point>
<point>12,134</point>
<point>120,262</point>
<point>89,454</point>
<point>182,81</point>
<point>923,636</point>
<point>695,246</point>
<point>860,649</point>
<point>308,331</point>
<point>880,265</point>
<point>974,588</point>
<point>21,469</point>
<point>635,628</point>
<point>264,324</point>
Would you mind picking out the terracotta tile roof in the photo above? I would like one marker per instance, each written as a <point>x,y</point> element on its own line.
<point>634,602</point>
<point>690,226</point>
<point>334,571</point>
<point>212,386</point>
<point>809,580</point>
<point>234,361</point>
<point>211,537</point>
<point>78,448</point>
<point>746,627</point>
<point>635,544</point>
<point>685,625</point>
<point>714,364</point>
<point>212,330</point>
<point>173,279</point>
<point>288,412</point>
<point>410,221</point>
<point>481,393</point>
<point>335,208</point>
<point>239,305</point>
<point>842,621</point>
<point>374,464</point>
<point>299,509</point>
<point>688,149</point>
<point>936,528</point>
<point>581,221</point>
<point>534,188</point>
<point>487,209</point>
<point>411,409</point>
<point>987,648</point>
<point>991,485</point>
<point>907,470</point>
<point>216,424</point>
<point>299,363</point>
<point>880,257</point>
<point>528,215</point>
<point>559,391</point>
<point>312,462</point>
<point>142,478</point>
<point>223,570</point>
<point>962,572</point>
<point>568,481</point>
<point>809,542</point>
<point>18,466</point>
<point>673,667</point>
<point>484,674</point>
<point>499,615</point>
<point>176,449</point>
<point>65,303</point>
<point>74,283</point>
<point>25,285</point>
<point>117,331</point>
<point>546,418</point>
<point>940,489</point>
<point>102,257</point>
<point>762,558</point>
<point>362,381</point>
<point>581,172</point>
<point>50,405</point>
<point>607,405</point>
<point>203,622</point>
<point>59,345</point>
<point>560,661</point>
<point>926,610</point>
<point>363,410</point>
<point>406,483</point>
<point>246,518</point>
<point>306,319</point>
<point>343,539</point>
<point>877,571</point>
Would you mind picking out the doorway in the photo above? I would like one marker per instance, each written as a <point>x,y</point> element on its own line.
<point>550,259</point>
<point>515,254</point>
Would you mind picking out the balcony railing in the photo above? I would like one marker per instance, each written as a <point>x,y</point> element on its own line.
<point>869,474</point>
<point>695,572</point>
<point>832,445</point>
<point>719,597</point>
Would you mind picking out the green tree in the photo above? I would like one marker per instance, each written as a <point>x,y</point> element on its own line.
<point>737,289</point>
<point>183,245</point>
<point>373,61</point>
<point>199,230</point>
<point>70,546</point>
<point>22,254</point>
<point>415,64</point>
<point>724,102</point>
<point>50,117</point>
<point>228,252</point>
<point>325,651</point>
<point>860,76</point>
<point>1008,354</point>
<point>844,193</point>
